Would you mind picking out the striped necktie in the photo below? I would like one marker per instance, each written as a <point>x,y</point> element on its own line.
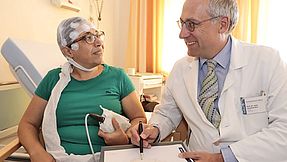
<point>209,93</point>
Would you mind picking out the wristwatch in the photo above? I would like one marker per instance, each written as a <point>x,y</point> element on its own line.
<point>157,139</point>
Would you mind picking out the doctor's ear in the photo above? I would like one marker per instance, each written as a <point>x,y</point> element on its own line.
<point>224,24</point>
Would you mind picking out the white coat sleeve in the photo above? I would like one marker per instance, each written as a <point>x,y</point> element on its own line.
<point>166,115</point>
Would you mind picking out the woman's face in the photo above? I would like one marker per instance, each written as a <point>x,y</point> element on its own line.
<point>91,49</point>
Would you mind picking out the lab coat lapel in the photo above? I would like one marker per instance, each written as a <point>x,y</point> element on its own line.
<point>236,63</point>
<point>191,82</point>
<point>190,79</point>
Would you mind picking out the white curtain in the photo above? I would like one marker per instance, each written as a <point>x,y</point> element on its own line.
<point>272,25</point>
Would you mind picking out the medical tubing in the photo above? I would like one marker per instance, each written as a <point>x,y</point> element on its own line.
<point>88,136</point>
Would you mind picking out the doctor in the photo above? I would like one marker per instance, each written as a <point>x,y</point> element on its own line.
<point>231,94</point>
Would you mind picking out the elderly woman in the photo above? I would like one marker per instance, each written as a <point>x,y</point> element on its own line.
<point>66,95</point>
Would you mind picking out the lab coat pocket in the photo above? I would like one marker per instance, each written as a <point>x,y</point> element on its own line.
<point>254,112</point>
<point>255,122</point>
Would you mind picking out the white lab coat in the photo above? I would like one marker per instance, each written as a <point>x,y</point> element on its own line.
<point>252,138</point>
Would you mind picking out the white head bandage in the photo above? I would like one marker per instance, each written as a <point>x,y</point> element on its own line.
<point>70,29</point>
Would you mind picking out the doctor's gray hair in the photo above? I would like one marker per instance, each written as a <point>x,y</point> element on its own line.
<point>226,8</point>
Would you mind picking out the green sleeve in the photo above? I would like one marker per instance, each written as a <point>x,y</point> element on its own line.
<point>126,85</point>
<point>47,84</point>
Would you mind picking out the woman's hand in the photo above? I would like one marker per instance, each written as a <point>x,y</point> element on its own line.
<point>42,156</point>
<point>118,137</point>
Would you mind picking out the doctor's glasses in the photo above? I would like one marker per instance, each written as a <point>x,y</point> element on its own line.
<point>190,25</point>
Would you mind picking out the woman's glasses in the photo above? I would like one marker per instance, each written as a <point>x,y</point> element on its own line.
<point>90,38</point>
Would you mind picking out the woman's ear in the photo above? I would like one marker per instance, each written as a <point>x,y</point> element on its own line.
<point>224,25</point>
<point>67,52</point>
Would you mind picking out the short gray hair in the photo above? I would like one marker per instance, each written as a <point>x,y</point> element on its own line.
<point>226,8</point>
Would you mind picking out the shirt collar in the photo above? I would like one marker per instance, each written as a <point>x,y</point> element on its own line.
<point>223,57</point>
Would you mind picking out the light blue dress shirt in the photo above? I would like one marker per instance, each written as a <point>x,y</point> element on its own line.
<point>221,70</point>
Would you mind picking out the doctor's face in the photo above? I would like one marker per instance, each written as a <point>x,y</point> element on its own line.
<point>198,29</point>
<point>91,49</point>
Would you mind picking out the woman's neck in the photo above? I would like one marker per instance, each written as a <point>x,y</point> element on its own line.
<point>86,75</point>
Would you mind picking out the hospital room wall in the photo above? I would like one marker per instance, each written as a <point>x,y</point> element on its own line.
<point>37,20</point>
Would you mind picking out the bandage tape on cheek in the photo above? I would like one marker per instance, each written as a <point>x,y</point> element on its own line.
<point>75,46</point>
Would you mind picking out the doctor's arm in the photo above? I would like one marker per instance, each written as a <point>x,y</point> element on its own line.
<point>166,116</point>
<point>29,130</point>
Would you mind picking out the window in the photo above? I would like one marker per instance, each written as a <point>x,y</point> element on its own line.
<point>271,30</point>
<point>173,47</point>
<point>272,25</point>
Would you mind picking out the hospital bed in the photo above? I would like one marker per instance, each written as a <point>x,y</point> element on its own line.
<point>29,62</point>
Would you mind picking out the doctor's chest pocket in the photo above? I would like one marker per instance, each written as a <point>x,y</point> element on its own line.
<point>254,113</point>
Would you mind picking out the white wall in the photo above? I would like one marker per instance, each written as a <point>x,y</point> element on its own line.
<point>38,20</point>
<point>13,102</point>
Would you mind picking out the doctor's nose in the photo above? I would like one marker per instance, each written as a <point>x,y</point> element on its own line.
<point>184,32</point>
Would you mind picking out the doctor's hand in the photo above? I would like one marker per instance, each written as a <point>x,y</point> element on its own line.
<point>148,135</point>
<point>200,156</point>
<point>118,137</point>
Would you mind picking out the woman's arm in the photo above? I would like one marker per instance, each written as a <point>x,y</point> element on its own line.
<point>29,127</point>
<point>134,110</point>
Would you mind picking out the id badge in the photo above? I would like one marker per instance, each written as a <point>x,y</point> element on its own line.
<point>253,105</point>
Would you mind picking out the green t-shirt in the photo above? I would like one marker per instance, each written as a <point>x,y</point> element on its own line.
<point>82,97</point>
